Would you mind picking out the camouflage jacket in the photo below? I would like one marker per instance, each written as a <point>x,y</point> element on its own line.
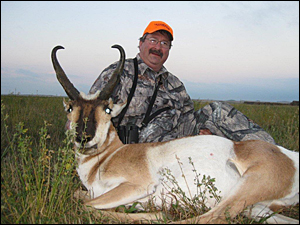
<point>176,122</point>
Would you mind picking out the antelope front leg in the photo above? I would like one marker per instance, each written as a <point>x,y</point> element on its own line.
<point>121,195</point>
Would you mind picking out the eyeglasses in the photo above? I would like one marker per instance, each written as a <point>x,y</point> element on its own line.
<point>164,44</point>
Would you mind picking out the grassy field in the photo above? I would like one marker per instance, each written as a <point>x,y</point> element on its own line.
<point>38,176</point>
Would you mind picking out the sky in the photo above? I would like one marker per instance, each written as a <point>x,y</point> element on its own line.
<point>222,50</point>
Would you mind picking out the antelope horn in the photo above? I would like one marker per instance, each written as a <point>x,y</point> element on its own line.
<point>71,91</point>
<point>115,78</point>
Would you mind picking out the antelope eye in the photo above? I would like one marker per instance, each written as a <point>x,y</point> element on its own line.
<point>70,109</point>
<point>108,110</point>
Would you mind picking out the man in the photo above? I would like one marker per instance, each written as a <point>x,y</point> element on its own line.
<point>172,107</point>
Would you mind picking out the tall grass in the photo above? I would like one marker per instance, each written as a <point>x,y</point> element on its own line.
<point>38,176</point>
<point>32,111</point>
<point>34,188</point>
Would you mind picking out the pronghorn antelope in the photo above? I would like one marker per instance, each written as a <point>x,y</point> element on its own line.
<point>253,175</point>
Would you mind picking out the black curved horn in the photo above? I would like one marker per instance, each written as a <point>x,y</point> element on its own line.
<point>69,88</point>
<point>115,78</point>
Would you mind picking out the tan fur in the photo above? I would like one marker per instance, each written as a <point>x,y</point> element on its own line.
<point>256,158</point>
<point>276,208</point>
<point>119,216</point>
<point>137,163</point>
<point>263,156</point>
<point>257,162</point>
<point>75,115</point>
<point>109,149</point>
<point>101,116</point>
<point>135,171</point>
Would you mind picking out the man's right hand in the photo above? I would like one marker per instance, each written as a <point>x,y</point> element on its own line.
<point>204,132</point>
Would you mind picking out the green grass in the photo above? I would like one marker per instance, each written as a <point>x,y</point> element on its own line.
<point>38,176</point>
<point>33,111</point>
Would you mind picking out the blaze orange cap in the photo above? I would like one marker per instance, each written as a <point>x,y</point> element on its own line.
<point>158,25</point>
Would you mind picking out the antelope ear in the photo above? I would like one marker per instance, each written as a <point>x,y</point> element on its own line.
<point>117,108</point>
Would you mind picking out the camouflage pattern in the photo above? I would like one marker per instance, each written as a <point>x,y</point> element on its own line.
<point>180,120</point>
<point>177,122</point>
<point>224,120</point>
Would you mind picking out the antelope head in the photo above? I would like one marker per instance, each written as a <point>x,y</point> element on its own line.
<point>90,114</point>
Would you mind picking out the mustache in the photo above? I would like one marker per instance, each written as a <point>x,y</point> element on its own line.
<point>156,52</point>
